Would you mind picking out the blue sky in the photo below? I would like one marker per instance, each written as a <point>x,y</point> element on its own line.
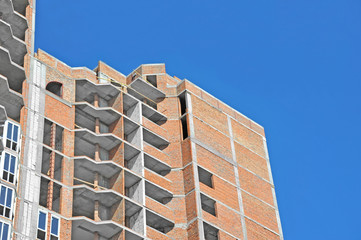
<point>292,66</point>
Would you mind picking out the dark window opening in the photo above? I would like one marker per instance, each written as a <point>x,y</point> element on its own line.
<point>56,88</point>
<point>205,177</point>
<point>210,232</point>
<point>208,205</point>
<point>152,79</point>
<point>184,127</point>
<point>183,104</point>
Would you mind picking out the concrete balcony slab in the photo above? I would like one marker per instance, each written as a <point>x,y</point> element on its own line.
<point>10,100</point>
<point>14,73</point>
<point>20,6</point>
<point>18,22</point>
<point>154,139</point>
<point>106,141</point>
<point>84,229</point>
<point>106,115</point>
<point>85,89</point>
<point>16,47</point>
<point>152,114</point>
<point>143,90</point>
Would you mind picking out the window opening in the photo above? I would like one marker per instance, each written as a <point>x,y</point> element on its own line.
<point>6,199</point>
<point>9,167</point>
<point>56,88</point>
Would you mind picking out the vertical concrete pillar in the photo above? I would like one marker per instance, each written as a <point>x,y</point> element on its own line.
<point>96,211</point>
<point>96,236</point>
<point>96,100</point>
<point>97,155</point>
<point>97,126</point>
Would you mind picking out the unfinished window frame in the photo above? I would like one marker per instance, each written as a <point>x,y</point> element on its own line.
<point>209,184</point>
<point>214,211</point>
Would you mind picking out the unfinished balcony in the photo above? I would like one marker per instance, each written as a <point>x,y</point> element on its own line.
<point>18,22</point>
<point>134,217</point>
<point>154,139</point>
<point>84,229</point>
<point>102,120</point>
<point>99,95</point>
<point>144,90</point>
<point>132,158</point>
<point>155,165</point>
<point>11,100</point>
<point>98,205</point>
<point>157,193</point>
<point>16,47</point>
<point>103,175</point>
<point>99,147</point>
<point>153,115</point>
<point>20,6</point>
<point>14,73</point>
<point>131,107</point>
<point>134,186</point>
<point>158,222</point>
<point>132,133</point>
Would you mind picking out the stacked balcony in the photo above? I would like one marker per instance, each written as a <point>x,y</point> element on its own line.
<point>111,191</point>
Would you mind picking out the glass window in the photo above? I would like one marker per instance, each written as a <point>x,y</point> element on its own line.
<point>42,221</point>
<point>44,217</point>
<point>12,136</point>
<point>54,226</point>
<point>4,231</point>
<point>9,166</point>
<point>6,201</point>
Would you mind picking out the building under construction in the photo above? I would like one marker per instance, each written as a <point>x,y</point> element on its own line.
<point>96,154</point>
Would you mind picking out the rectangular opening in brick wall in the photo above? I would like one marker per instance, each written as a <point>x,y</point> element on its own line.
<point>205,177</point>
<point>59,138</point>
<point>47,132</point>
<point>208,205</point>
<point>46,164</point>
<point>152,79</point>
<point>182,103</point>
<point>184,127</point>
<point>43,192</point>
<point>210,232</point>
<point>53,139</point>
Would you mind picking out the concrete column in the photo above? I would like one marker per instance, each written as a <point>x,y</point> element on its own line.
<point>97,155</point>
<point>97,126</point>
<point>96,211</point>
<point>96,236</point>
<point>96,100</point>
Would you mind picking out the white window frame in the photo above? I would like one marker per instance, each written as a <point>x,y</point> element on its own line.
<point>46,223</point>
<point>11,201</point>
<point>51,222</point>
<point>47,216</point>
<point>5,136</point>
<point>9,172</point>
<point>2,230</point>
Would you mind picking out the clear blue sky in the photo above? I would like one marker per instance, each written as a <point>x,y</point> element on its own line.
<point>292,66</point>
